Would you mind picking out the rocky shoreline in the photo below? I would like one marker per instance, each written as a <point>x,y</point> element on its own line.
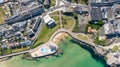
<point>93,52</point>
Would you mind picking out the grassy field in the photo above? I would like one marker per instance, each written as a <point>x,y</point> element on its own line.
<point>83,37</point>
<point>55,13</point>
<point>52,3</point>
<point>1,15</point>
<point>79,1</point>
<point>56,18</point>
<point>76,28</point>
<point>45,35</point>
<point>67,22</point>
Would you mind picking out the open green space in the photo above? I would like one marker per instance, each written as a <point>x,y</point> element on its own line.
<point>80,1</point>
<point>1,15</point>
<point>73,56</point>
<point>45,35</point>
<point>99,42</point>
<point>56,18</point>
<point>67,22</point>
<point>94,25</point>
<point>115,49</point>
<point>76,26</point>
<point>52,3</point>
<point>83,37</point>
<point>55,13</point>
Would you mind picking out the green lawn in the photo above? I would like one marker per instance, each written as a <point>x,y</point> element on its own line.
<point>83,37</point>
<point>67,22</point>
<point>115,49</point>
<point>55,13</point>
<point>56,18</point>
<point>52,3</point>
<point>93,26</point>
<point>1,15</point>
<point>79,1</point>
<point>45,35</point>
<point>76,27</point>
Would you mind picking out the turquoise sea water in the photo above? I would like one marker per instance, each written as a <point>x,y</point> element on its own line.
<point>74,56</point>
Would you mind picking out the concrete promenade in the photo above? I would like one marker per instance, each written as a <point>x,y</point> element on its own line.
<point>44,50</point>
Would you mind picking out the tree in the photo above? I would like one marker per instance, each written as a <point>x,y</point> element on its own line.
<point>100,23</point>
<point>75,16</point>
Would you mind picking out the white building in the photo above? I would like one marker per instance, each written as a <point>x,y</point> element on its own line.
<point>106,28</point>
<point>49,21</point>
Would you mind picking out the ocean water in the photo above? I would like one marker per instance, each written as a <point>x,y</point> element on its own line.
<point>74,56</point>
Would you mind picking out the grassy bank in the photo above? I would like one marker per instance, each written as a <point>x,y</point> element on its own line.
<point>1,15</point>
<point>45,35</point>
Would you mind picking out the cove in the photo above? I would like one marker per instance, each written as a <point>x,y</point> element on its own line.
<point>73,56</point>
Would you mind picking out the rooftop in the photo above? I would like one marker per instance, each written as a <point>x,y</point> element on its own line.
<point>96,14</point>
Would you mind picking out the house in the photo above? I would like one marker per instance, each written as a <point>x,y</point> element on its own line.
<point>18,34</point>
<point>77,9</point>
<point>112,29</point>
<point>117,10</point>
<point>95,14</point>
<point>110,13</point>
<point>26,43</point>
<point>3,46</point>
<point>41,1</point>
<point>30,33</point>
<point>50,23</point>
<point>13,45</point>
<point>47,3</point>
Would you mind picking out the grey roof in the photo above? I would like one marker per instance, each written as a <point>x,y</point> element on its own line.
<point>96,14</point>
<point>47,2</point>
<point>102,4</point>
<point>25,43</point>
<point>19,18</point>
<point>101,31</point>
<point>117,10</point>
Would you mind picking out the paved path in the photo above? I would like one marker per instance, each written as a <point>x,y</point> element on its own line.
<point>14,54</point>
<point>60,16</point>
<point>74,35</point>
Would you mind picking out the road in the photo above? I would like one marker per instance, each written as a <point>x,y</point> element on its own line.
<point>14,54</point>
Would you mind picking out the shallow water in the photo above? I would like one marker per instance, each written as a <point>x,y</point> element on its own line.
<point>74,56</point>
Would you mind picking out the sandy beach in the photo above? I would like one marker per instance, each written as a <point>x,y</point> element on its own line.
<point>58,37</point>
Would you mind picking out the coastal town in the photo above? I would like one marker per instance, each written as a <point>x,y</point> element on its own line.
<point>34,28</point>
